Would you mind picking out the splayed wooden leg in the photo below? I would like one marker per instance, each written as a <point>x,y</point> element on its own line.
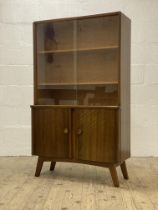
<point>124,170</point>
<point>114,176</point>
<point>52,165</point>
<point>39,166</point>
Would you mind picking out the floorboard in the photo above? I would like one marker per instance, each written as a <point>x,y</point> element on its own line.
<point>77,186</point>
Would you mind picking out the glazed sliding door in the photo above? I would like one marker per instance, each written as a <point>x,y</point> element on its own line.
<point>55,50</point>
<point>98,61</point>
<point>96,134</point>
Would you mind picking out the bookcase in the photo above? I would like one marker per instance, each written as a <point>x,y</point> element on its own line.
<point>81,110</point>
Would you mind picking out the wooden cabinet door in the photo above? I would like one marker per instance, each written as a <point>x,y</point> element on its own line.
<point>96,134</point>
<point>51,132</point>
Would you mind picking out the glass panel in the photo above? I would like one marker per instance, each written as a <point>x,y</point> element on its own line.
<point>56,65</point>
<point>97,60</point>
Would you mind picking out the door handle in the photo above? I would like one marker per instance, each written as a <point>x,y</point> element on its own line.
<point>66,131</point>
<point>79,132</point>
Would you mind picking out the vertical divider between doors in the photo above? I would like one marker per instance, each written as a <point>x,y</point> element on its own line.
<point>73,135</point>
<point>70,132</point>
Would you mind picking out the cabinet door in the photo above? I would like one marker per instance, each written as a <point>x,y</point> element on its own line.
<point>51,132</point>
<point>55,62</point>
<point>97,60</point>
<point>96,134</point>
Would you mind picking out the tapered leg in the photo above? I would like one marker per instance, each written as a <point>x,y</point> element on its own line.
<point>52,165</point>
<point>124,170</point>
<point>39,166</point>
<point>114,176</point>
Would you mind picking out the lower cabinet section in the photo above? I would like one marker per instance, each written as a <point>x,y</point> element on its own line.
<point>81,134</point>
<point>85,135</point>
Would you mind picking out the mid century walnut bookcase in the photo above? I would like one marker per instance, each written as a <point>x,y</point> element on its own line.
<point>81,110</point>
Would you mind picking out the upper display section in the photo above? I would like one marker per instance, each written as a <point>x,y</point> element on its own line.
<point>77,61</point>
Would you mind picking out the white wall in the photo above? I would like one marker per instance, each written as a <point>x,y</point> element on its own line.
<point>16,93</point>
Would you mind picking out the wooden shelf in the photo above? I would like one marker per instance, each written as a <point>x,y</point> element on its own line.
<point>69,85</point>
<point>78,50</point>
<point>74,106</point>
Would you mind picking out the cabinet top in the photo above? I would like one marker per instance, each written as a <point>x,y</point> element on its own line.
<point>82,17</point>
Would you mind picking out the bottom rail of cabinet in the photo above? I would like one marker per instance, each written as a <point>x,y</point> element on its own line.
<point>111,166</point>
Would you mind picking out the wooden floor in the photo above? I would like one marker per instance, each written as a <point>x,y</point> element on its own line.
<point>76,186</point>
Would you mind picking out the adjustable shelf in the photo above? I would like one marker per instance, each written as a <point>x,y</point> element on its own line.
<point>70,85</point>
<point>78,50</point>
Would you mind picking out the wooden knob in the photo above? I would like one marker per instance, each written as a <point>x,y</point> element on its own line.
<point>66,131</point>
<point>79,131</point>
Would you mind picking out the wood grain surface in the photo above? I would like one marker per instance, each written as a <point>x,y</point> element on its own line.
<point>51,133</point>
<point>96,134</point>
